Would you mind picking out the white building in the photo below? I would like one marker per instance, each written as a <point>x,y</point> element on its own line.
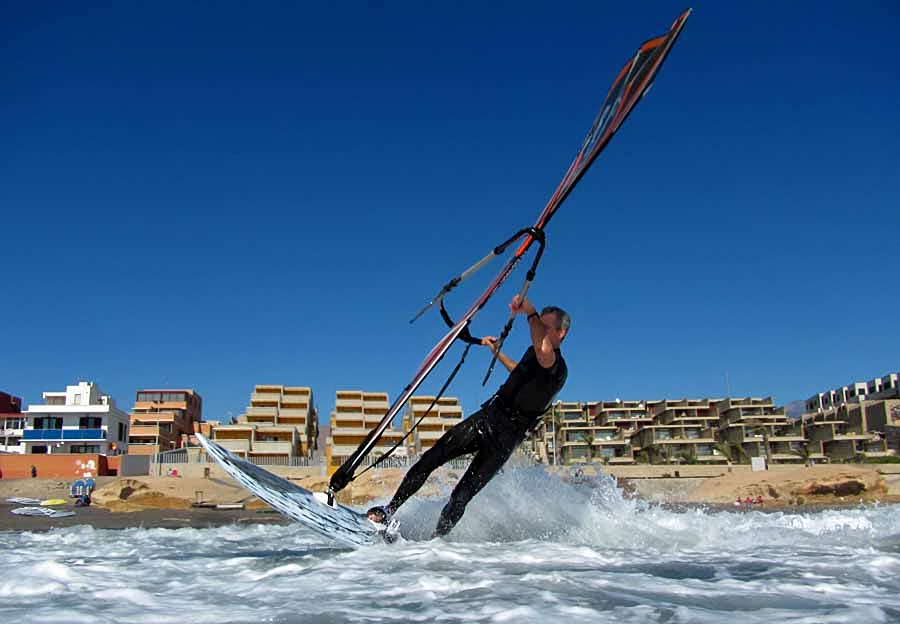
<point>79,420</point>
<point>11,433</point>
<point>878,388</point>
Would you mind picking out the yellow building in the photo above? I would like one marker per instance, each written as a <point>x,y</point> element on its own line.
<point>356,413</point>
<point>446,413</point>
<point>279,426</point>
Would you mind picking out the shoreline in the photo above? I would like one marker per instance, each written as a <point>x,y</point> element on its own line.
<point>167,502</point>
<point>102,519</point>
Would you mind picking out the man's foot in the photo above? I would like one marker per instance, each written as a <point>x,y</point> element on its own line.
<point>379,515</point>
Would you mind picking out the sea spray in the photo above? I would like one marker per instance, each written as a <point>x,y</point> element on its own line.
<point>533,545</point>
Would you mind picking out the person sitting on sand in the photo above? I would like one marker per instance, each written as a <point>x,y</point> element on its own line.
<point>493,432</point>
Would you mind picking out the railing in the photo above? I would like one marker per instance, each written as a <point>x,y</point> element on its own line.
<point>401,461</point>
<point>64,434</point>
<point>182,456</point>
<point>294,462</point>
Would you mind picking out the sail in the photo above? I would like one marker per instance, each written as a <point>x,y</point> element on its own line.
<point>632,82</point>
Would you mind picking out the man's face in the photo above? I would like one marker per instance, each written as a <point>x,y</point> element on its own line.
<point>551,328</point>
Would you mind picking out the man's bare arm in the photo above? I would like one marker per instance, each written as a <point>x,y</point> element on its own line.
<point>508,362</point>
<point>543,349</point>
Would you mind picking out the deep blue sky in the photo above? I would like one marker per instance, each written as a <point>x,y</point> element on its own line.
<point>215,195</point>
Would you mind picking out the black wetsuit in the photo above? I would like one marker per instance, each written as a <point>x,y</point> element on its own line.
<point>492,434</point>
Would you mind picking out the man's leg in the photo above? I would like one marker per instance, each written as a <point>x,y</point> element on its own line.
<point>462,439</point>
<point>484,466</point>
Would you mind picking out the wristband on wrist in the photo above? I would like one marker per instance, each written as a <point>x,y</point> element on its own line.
<point>535,315</point>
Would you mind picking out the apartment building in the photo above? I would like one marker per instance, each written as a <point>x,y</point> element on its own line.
<point>883,387</point>
<point>443,415</point>
<point>675,443</point>
<point>629,416</point>
<point>887,386</point>
<point>280,426</point>
<point>12,424</point>
<point>572,432</point>
<point>161,420</point>
<point>681,430</point>
<point>861,419</point>
<point>756,427</point>
<point>80,419</point>
<point>852,430</point>
<point>355,413</point>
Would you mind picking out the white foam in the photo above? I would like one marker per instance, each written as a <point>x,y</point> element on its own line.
<point>531,547</point>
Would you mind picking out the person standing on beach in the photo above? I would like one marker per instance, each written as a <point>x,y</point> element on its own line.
<point>493,432</point>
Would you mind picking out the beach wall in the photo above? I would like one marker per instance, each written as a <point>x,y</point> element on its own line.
<point>213,470</point>
<point>63,466</point>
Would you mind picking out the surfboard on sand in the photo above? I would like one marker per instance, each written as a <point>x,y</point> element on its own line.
<point>337,522</point>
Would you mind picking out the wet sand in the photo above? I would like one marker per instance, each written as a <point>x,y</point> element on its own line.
<point>147,519</point>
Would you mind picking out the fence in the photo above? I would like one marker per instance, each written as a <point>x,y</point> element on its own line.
<point>196,455</point>
<point>400,461</point>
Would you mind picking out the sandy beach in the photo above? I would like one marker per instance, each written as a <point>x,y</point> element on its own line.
<point>171,502</point>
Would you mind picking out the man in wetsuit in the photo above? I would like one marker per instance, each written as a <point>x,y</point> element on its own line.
<point>493,432</point>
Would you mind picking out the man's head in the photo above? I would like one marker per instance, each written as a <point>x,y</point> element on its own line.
<point>556,323</point>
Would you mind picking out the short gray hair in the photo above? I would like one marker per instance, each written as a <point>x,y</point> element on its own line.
<point>563,320</point>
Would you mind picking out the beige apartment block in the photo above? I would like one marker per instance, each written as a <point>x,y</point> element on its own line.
<point>279,425</point>
<point>571,432</point>
<point>160,420</point>
<point>588,442</point>
<point>676,443</point>
<point>687,412</point>
<point>561,416</point>
<point>853,429</point>
<point>355,414</point>
<point>444,414</point>
<point>629,416</point>
<point>761,429</point>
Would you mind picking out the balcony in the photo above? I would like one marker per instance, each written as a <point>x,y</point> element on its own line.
<point>273,448</point>
<point>149,430</point>
<point>350,431</point>
<point>234,445</point>
<point>265,398</point>
<point>349,426</point>
<point>153,417</point>
<point>63,434</point>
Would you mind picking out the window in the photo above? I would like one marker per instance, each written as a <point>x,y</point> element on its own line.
<point>48,422</point>
<point>90,422</point>
<point>88,449</point>
<point>39,449</point>
<point>121,432</point>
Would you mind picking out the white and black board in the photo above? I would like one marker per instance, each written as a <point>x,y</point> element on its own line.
<point>339,523</point>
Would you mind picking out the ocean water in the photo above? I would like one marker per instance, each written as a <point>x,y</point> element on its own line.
<point>531,548</point>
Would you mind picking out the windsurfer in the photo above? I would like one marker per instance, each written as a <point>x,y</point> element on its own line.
<point>493,432</point>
